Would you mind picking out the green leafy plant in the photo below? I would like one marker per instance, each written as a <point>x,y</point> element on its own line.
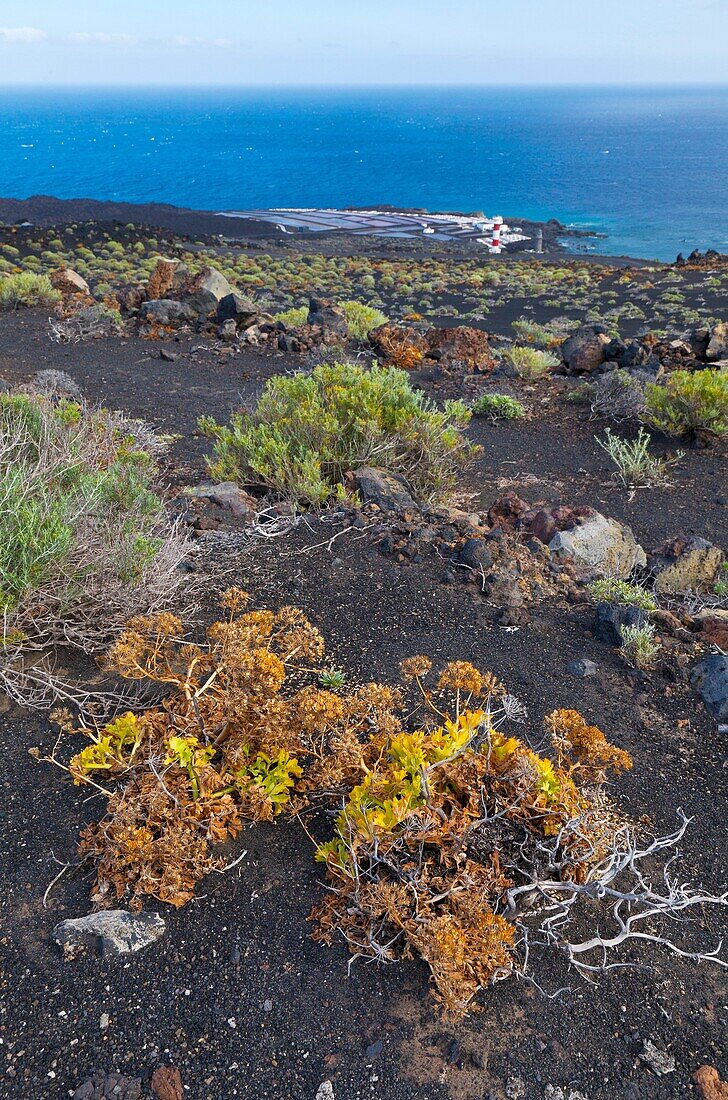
<point>27,289</point>
<point>334,679</point>
<point>639,647</point>
<point>690,402</point>
<point>530,363</point>
<point>361,319</point>
<point>622,594</point>
<point>635,465</point>
<point>84,538</point>
<point>294,317</point>
<point>498,406</point>
<point>307,431</point>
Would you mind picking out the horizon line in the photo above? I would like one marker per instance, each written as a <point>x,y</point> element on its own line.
<point>366,84</point>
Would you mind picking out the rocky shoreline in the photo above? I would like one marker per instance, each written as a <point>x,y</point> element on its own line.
<point>47,210</point>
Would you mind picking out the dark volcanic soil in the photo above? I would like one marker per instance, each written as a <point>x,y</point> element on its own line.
<point>197,999</point>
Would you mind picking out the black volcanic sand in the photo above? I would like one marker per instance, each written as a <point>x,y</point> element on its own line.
<point>198,998</point>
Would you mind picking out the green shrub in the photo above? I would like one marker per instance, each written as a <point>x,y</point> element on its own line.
<point>622,594</point>
<point>293,318</point>
<point>530,363</point>
<point>639,647</point>
<point>361,319</point>
<point>689,402</point>
<point>27,289</point>
<point>532,333</point>
<point>635,465</point>
<point>498,406</point>
<point>308,430</point>
<point>84,538</point>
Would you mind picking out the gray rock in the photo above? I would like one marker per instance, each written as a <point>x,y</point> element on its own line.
<point>476,554</point>
<point>236,307</point>
<point>389,491</point>
<point>226,494</point>
<point>687,564</point>
<point>117,931</point>
<point>165,311</point>
<point>710,678</point>
<point>660,1062</point>
<point>325,1091</point>
<point>204,292</point>
<point>327,316</point>
<point>718,344</point>
<point>229,331</point>
<point>555,1092</point>
<point>609,620</point>
<point>582,668</point>
<point>601,545</point>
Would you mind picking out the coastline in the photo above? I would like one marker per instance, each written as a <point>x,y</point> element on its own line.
<point>244,226</point>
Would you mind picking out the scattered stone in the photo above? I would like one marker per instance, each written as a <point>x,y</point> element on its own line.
<point>713,625</point>
<point>659,1061</point>
<point>710,1085</point>
<point>229,331</point>
<point>69,282</point>
<point>237,308</point>
<point>167,1083</point>
<point>220,505</point>
<point>203,292</point>
<point>459,349</point>
<point>686,564</point>
<point>267,1005</point>
<point>387,490</point>
<point>109,1086</point>
<point>609,620</point>
<point>554,1092</point>
<point>166,312</point>
<point>328,318</point>
<point>167,355</point>
<point>718,344</point>
<point>104,1021</point>
<point>586,349</point>
<point>476,554</point>
<point>116,931</point>
<point>602,545</point>
<point>710,679</point>
<point>583,668</point>
<point>325,1091</point>
<point>375,1049</point>
<point>515,1088</point>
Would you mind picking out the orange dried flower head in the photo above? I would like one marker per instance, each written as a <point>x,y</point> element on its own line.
<point>572,735</point>
<point>461,676</point>
<point>235,599</point>
<point>415,668</point>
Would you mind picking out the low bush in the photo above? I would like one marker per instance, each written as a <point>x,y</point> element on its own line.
<point>530,363</point>
<point>636,467</point>
<point>639,647</point>
<point>294,317</point>
<point>27,289</point>
<point>84,538</point>
<point>498,406</point>
<point>619,396</point>
<point>453,840</point>
<point>690,402</point>
<point>308,430</point>
<point>530,332</point>
<point>361,319</point>
<point>621,594</point>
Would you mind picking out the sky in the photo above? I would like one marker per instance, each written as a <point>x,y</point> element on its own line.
<point>363,41</point>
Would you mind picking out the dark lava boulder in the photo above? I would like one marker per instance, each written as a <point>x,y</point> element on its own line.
<point>609,620</point>
<point>585,351</point>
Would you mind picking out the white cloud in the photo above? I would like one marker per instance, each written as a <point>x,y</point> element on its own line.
<point>100,37</point>
<point>217,43</point>
<point>22,34</point>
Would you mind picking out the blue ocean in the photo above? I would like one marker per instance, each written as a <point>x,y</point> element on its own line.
<point>645,166</point>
